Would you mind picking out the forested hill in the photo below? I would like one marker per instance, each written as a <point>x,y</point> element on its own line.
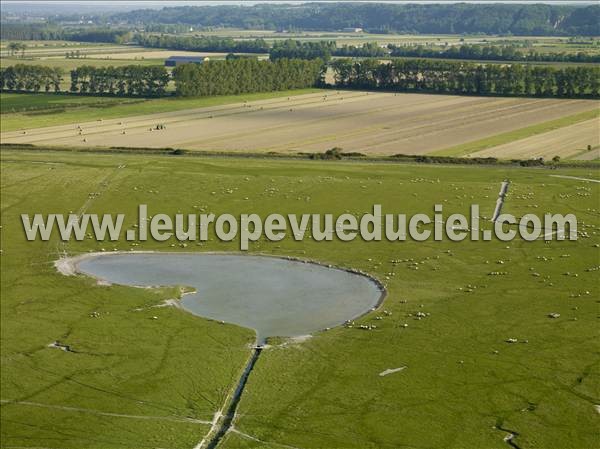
<point>516,19</point>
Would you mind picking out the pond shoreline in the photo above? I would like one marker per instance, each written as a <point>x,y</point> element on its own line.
<point>69,266</point>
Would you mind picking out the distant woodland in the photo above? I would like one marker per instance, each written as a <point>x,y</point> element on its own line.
<point>504,19</point>
<point>516,19</point>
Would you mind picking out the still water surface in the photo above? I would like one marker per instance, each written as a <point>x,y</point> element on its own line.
<point>273,296</point>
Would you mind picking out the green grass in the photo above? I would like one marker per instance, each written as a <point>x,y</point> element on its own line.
<point>119,107</point>
<point>13,103</point>
<point>326,392</point>
<point>511,136</point>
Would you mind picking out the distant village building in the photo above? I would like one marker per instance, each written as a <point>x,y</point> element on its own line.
<point>174,61</point>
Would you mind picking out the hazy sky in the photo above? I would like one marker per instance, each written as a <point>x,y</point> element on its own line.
<point>49,7</point>
<point>155,3</point>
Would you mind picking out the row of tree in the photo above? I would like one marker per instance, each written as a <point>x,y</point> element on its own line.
<point>324,50</point>
<point>490,53</point>
<point>293,49</point>
<point>44,32</point>
<point>286,49</point>
<point>31,78</point>
<point>202,43</point>
<point>29,32</point>
<point>237,76</point>
<point>16,47</point>
<point>468,78</point>
<point>368,50</point>
<point>110,35</point>
<point>245,75</point>
<point>75,54</point>
<point>131,80</point>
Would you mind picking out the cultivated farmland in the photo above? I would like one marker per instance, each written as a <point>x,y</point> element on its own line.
<point>141,54</point>
<point>369,123</point>
<point>59,48</point>
<point>565,142</point>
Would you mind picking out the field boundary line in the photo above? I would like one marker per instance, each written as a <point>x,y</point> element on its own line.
<point>101,413</point>
<point>258,440</point>
<point>577,178</point>
<point>404,159</point>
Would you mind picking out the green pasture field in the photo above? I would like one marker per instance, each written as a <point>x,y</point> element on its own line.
<point>590,47</point>
<point>50,103</point>
<point>133,380</point>
<point>86,108</point>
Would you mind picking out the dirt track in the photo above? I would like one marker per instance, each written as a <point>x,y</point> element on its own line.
<point>371,123</point>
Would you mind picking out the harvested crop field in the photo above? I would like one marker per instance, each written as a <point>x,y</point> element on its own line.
<point>565,142</point>
<point>591,155</point>
<point>84,48</point>
<point>370,123</point>
<point>151,54</point>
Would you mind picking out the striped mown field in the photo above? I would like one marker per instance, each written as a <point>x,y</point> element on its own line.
<point>365,122</point>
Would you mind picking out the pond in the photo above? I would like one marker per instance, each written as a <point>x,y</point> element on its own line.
<point>273,296</point>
